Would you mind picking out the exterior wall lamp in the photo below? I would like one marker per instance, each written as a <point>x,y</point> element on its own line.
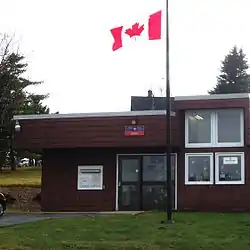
<point>17,126</point>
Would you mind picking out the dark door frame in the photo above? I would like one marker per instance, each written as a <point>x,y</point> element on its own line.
<point>138,156</point>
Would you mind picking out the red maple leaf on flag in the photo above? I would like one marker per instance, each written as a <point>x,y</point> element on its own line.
<point>135,30</point>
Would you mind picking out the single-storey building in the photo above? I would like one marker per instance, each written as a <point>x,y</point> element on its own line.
<point>116,161</point>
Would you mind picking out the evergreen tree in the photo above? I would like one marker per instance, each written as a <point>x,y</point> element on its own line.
<point>33,105</point>
<point>233,77</point>
<point>14,98</point>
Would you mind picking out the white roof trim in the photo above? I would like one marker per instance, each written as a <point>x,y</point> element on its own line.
<point>212,97</point>
<point>133,113</point>
<point>84,115</point>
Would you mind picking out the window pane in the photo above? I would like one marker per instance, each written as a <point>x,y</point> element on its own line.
<point>229,127</point>
<point>199,168</point>
<point>154,167</point>
<point>229,168</point>
<point>199,126</point>
<point>129,196</point>
<point>153,197</point>
<point>130,169</point>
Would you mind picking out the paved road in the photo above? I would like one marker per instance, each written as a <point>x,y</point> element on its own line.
<point>14,219</point>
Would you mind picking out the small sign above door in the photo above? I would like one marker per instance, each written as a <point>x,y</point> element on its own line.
<point>134,130</point>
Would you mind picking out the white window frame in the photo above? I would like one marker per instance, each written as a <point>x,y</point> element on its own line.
<point>211,182</point>
<point>228,154</point>
<point>214,132</point>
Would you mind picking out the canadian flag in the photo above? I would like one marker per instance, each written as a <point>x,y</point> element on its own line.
<point>154,30</point>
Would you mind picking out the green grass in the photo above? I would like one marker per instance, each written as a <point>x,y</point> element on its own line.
<point>11,210</point>
<point>26,176</point>
<point>191,231</point>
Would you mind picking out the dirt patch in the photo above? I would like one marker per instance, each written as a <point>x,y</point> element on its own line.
<point>23,198</point>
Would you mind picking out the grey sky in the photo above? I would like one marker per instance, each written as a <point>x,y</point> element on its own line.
<point>68,45</point>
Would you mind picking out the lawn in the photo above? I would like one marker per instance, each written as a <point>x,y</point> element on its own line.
<point>191,231</point>
<point>26,176</point>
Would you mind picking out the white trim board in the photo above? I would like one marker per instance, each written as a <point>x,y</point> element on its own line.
<point>88,115</point>
<point>117,177</point>
<point>212,97</point>
<point>133,113</point>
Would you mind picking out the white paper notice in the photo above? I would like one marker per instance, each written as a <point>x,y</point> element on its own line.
<point>230,160</point>
<point>90,177</point>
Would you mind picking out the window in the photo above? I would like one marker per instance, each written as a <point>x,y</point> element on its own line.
<point>229,168</point>
<point>199,168</point>
<point>220,128</point>
<point>130,169</point>
<point>199,127</point>
<point>154,168</point>
<point>230,127</point>
<point>154,197</point>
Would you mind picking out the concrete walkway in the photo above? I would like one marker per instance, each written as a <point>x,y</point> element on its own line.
<point>15,219</point>
<point>10,219</point>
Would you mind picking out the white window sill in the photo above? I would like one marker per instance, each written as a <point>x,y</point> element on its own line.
<point>220,145</point>
<point>198,145</point>
<point>199,183</point>
<point>230,182</point>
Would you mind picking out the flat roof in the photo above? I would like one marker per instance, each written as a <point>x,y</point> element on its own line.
<point>212,97</point>
<point>84,115</point>
<point>133,113</point>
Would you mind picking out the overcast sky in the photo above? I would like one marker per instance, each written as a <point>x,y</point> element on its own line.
<point>68,46</point>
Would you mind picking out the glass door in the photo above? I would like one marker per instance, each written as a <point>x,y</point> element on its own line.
<point>129,198</point>
<point>154,195</point>
<point>142,182</point>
